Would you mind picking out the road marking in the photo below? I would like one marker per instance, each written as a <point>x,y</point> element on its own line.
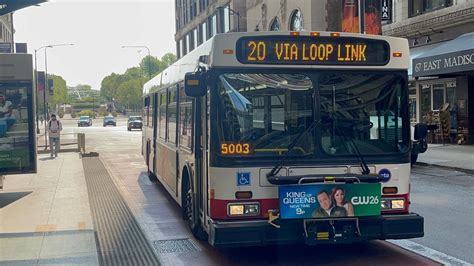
<point>429,253</point>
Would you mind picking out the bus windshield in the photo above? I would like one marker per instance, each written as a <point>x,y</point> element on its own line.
<point>268,111</point>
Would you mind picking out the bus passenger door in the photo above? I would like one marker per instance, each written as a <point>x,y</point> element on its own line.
<point>200,153</point>
<point>154,121</point>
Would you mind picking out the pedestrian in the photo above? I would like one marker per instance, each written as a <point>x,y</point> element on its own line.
<point>54,132</point>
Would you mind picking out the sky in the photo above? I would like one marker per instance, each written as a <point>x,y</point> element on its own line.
<point>98,29</point>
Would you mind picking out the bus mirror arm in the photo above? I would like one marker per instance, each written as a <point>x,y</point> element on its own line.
<point>325,178</point>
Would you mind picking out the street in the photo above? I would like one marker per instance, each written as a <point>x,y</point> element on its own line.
<point>437,194</point>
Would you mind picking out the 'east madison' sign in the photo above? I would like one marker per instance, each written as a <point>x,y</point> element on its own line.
<point>443,64</point>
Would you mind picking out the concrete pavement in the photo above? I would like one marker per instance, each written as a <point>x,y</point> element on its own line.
<point>459,157</point>
<point>45,217</point>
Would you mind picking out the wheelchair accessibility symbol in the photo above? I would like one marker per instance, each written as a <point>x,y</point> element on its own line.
<point>243,179</point>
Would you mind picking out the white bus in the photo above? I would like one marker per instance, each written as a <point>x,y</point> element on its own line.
<point>286,137</point>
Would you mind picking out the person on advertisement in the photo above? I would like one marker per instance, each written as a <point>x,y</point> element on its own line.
<point>54,131</point>
<point>338,197</point>
<point>327,208</point>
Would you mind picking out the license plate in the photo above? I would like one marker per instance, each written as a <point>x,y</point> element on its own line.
<point>329,200</point>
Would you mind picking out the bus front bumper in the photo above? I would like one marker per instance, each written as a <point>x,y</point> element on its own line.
<point>258,233</point>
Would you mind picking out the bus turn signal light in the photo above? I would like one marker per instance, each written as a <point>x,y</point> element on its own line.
<point>397,54</point>
<point>228,51</point>
<point>243,194</point>
<point>193,82</point>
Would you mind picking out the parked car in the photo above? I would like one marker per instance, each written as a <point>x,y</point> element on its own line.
<point>134,122</point>
<point>109,120</point>
<point>84,121</point>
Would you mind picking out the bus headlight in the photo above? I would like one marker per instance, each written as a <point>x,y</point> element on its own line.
<point>393,204</point>
<point>243,209</point>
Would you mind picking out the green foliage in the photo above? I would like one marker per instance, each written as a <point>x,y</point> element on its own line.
<point>61,113</point>
<point>89,113</point>
<point>86,105</point>
<point>103,113</point>
<point>73,114</point>
<point>168,59</point>
<point>126,89</point>
<point>60,95</point>
<point>114,114</point>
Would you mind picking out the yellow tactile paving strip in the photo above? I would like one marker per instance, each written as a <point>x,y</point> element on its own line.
<point>44,228</point>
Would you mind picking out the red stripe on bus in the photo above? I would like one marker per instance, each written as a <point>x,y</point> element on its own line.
<point>218,208</point>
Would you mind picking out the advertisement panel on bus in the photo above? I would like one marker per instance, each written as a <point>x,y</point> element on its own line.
<point>329,200</point>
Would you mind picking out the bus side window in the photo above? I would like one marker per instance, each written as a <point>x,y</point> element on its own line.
<point>185,118</point>
<point>162,115</point>
<point>172,113</point>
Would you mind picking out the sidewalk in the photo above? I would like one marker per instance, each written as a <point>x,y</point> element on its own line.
<point>460,157</point>
<point>45,217</point>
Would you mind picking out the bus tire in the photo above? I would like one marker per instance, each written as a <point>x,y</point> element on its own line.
<point>190,210</point>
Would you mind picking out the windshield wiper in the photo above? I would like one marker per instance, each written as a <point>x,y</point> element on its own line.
<point>363,164</point>
<point>278,166</point>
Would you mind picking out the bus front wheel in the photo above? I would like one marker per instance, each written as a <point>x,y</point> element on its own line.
<point>190,212</point>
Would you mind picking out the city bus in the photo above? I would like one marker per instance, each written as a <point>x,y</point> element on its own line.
<point>286,137</point>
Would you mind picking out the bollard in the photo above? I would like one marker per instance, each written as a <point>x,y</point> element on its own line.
<point>81,142</point>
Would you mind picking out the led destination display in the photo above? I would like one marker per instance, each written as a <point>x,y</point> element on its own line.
<point>309,50</point>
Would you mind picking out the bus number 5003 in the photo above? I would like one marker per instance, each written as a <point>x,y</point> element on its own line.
<point>237,148</point>
<point>257,51</point>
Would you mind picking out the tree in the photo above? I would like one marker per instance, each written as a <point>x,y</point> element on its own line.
<point>126,88</point>
<point>130,93</point>
<point>168,59</point>
<point>60,95</point>
<point>151,67</point>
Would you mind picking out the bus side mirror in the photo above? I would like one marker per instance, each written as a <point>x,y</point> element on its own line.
<point>194,85</point>
<point>421,131</point>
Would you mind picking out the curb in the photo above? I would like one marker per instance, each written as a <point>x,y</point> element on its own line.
<point>467,171</point>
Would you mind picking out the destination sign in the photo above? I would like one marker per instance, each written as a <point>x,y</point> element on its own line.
<point>309,50</point>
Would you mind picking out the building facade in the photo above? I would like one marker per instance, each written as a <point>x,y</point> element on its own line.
<point>437,30</point>
<point>199,20</point>
<point>441,38</point>
<point>6,29</point>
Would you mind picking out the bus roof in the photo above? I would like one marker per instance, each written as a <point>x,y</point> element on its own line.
<point>231,50</point>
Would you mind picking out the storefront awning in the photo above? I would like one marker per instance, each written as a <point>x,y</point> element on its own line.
<point>453,56</point>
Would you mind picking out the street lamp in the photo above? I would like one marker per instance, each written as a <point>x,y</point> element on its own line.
<point>45,87</point>
<point>148,49</point>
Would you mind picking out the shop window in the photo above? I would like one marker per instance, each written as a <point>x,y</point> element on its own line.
<point>438,96</point>
<point>412,104</point>
<point>425,99</point>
